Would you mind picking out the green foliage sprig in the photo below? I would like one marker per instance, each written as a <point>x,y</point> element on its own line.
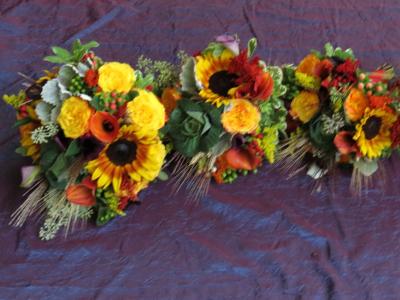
<point>63,56</point>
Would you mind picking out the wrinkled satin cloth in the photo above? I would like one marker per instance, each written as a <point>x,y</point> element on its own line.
<point>263,237</point>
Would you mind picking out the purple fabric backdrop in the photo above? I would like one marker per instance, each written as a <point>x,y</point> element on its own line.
<point>263,237</point>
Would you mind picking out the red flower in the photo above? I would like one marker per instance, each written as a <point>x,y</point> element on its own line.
<point>344,142</point>
<point>128,192</point>
<point>380,102</point>
<point>396,134</point>
<point>325,67</point>
<point>253,82</point>
<point>91,78</point>
<point>343,74</point>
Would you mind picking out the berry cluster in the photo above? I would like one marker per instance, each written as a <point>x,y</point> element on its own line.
<point>370,87</point>
<point>78,86</point>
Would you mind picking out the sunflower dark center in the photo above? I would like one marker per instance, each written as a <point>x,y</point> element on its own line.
<point>121,152</point>
<point>108,126</point>
<point>372,127</point>
<point>221,82</point>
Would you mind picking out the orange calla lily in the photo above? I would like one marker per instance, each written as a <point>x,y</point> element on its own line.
<point>82,194</point>
<point>104,126</point>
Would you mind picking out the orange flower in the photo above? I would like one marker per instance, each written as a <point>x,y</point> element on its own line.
<point>304,106</point>
<point>241,117</point>
<point>355,105</point>
<point>83,193</point>
<point>236,159</point>
<point>169,99</point>
<point>242,159</point>
<point>104,126</point>
<point>310,65</point>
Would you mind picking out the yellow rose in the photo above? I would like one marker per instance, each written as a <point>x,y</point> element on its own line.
<point>74,117</point>
<point>145,112</point>
<point>241,117</point>
<point>115,76</point>
<point>305,106</point>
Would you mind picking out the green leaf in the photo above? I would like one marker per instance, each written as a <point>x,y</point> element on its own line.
<point>224,143</point>
<point>61,52</point>
<point>91,44</point>
<point>210,139</point>
<point>187,76</point>
<point>190,147</point>
<point>188,105</point>
<point>206,126</point>
<point>73,149</point>
<point>329,51</point>
<point>215,48</point>
<point>59,166</point>
<point>197,115</point>
<point>104,215</point>
<point>251,46</point>
<point>366,167</point>
<point>76,45</point>
<point>215,117</point>
<point>22,122</point>
<point>276,73</point>
<point>48,154</point>
<point>97,103</point>
<point>54,59</point>
<point>163,176</point>
<point>176,116</point>
<point>21,151</point>
<point>143,82</point>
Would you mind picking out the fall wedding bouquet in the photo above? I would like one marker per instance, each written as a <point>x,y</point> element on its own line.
<point>92,130</point>
<point>229,117</point>
<point>339,114</point>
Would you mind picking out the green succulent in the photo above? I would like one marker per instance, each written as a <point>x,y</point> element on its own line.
<point>194,127</point>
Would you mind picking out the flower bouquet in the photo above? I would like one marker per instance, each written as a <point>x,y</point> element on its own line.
<point>228,118</point>
<point>92,131</point>
<point>339,115</point>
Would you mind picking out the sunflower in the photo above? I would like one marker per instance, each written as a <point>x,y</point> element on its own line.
<point>373,133</point>
<point>133,155</point>
<point>216,83</point>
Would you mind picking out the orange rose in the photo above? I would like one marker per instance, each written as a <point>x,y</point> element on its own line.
<point>241,117</point>
<point>355,105</point>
